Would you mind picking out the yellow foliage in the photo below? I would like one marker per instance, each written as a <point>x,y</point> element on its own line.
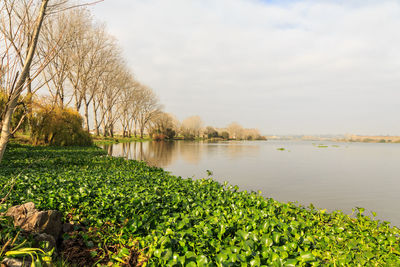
<point>60,127</point>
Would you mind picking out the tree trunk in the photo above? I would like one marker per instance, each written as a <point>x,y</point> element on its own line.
<point>103,120</point>
<point>141,131</point>
<point>96,123</point>
<point>112,130</point>
<point>87,127</point>
<point>5,131</point>
<point>29,102</point>
<point>76,100</point>
<point>134,129</point>
<point>6,125</point>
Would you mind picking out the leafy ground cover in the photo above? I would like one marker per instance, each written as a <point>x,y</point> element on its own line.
<point>184,222</point>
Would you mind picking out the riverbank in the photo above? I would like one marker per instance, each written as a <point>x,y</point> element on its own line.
<point>342,139</point>
<point>100,140</point>
<point>186,222</point>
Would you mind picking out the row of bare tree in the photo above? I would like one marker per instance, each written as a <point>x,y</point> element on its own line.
<point>55,45</point>
<point>89,71</point>
<point>193,127</point>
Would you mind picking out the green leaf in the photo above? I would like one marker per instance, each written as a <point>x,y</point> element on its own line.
<point>306,256</point>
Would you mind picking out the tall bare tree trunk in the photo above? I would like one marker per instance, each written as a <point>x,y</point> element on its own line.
<point>104,126</point>
<point>103,121</point>
<point>96,123</point>
<point>112,130</point>
<point>87,126</point>
<point>29,102</point>
<point>77,106</point>
<point>5,131</point>
<point>141,131</point>
<point>134,129</point>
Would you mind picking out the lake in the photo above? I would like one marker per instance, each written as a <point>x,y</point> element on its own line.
<point>332,176</point>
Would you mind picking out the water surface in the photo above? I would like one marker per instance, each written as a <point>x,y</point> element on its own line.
<point>335,176</point>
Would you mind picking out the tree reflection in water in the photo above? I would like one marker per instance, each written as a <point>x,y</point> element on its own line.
<point>164,153</point>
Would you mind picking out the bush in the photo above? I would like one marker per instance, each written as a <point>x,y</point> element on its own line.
<point>170,134</point>
<point>59,127</point>
<point>225,135</point>
<point>158,137</point>
<point>188,136</point>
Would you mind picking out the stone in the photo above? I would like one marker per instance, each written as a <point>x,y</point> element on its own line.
<point>48,222</point>
<point>49,239</point>
<point>68,228</point>
<point>34,221</point>
<point>12,262</point>
<point>21,212</point>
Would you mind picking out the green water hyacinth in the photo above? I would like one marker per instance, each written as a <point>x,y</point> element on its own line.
<point>185,222</point>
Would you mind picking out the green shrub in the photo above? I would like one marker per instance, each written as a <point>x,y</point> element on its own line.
<point>188,136</point>
<point>170,133</point>
<point>59,127</point>
<point>167,134</point>
<point>225,135</point>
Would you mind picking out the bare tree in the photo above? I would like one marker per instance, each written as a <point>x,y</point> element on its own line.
<point>127,106</point>
<point>235,131</point>
<point>16,76</point>
<point>100,55</point>
<point>191,127</point>
<point>58,34</point>
<point>210,132</point>
<point>148,107</point>
<point>114,82</point>
<point>165,124</point>
<point>80,64</point>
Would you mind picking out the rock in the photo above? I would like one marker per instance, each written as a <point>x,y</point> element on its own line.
<point>45,238</point>
<point>68,228</point>
<point>11,262</point>
<point>21,212</point>
<point>48,222</point>
<point>34,221</point>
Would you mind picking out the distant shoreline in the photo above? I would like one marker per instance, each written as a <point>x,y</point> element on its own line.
<point>344,139</point>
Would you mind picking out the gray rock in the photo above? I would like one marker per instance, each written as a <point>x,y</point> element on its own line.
<point>11,262</point>
<point>21,212</point>
<point>34,221</point>
<point>68,228</point>
<point>49,239</point>
<point>48,222</point>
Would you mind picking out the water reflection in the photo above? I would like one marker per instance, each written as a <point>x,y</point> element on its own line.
<point>164,153</point>
<point>159,154</point>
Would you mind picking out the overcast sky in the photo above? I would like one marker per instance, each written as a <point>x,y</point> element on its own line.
<point>285,67</point>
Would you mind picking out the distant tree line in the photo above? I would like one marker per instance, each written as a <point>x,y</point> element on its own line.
<point>166,126</point>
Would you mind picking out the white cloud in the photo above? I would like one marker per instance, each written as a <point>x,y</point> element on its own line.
<point>300,67</point>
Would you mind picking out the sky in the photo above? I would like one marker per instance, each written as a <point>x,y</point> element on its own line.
<point>285,67</point>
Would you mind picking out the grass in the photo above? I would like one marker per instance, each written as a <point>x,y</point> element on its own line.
<point>185,222</point>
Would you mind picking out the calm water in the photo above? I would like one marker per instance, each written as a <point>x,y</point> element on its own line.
<point>341,176</point>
